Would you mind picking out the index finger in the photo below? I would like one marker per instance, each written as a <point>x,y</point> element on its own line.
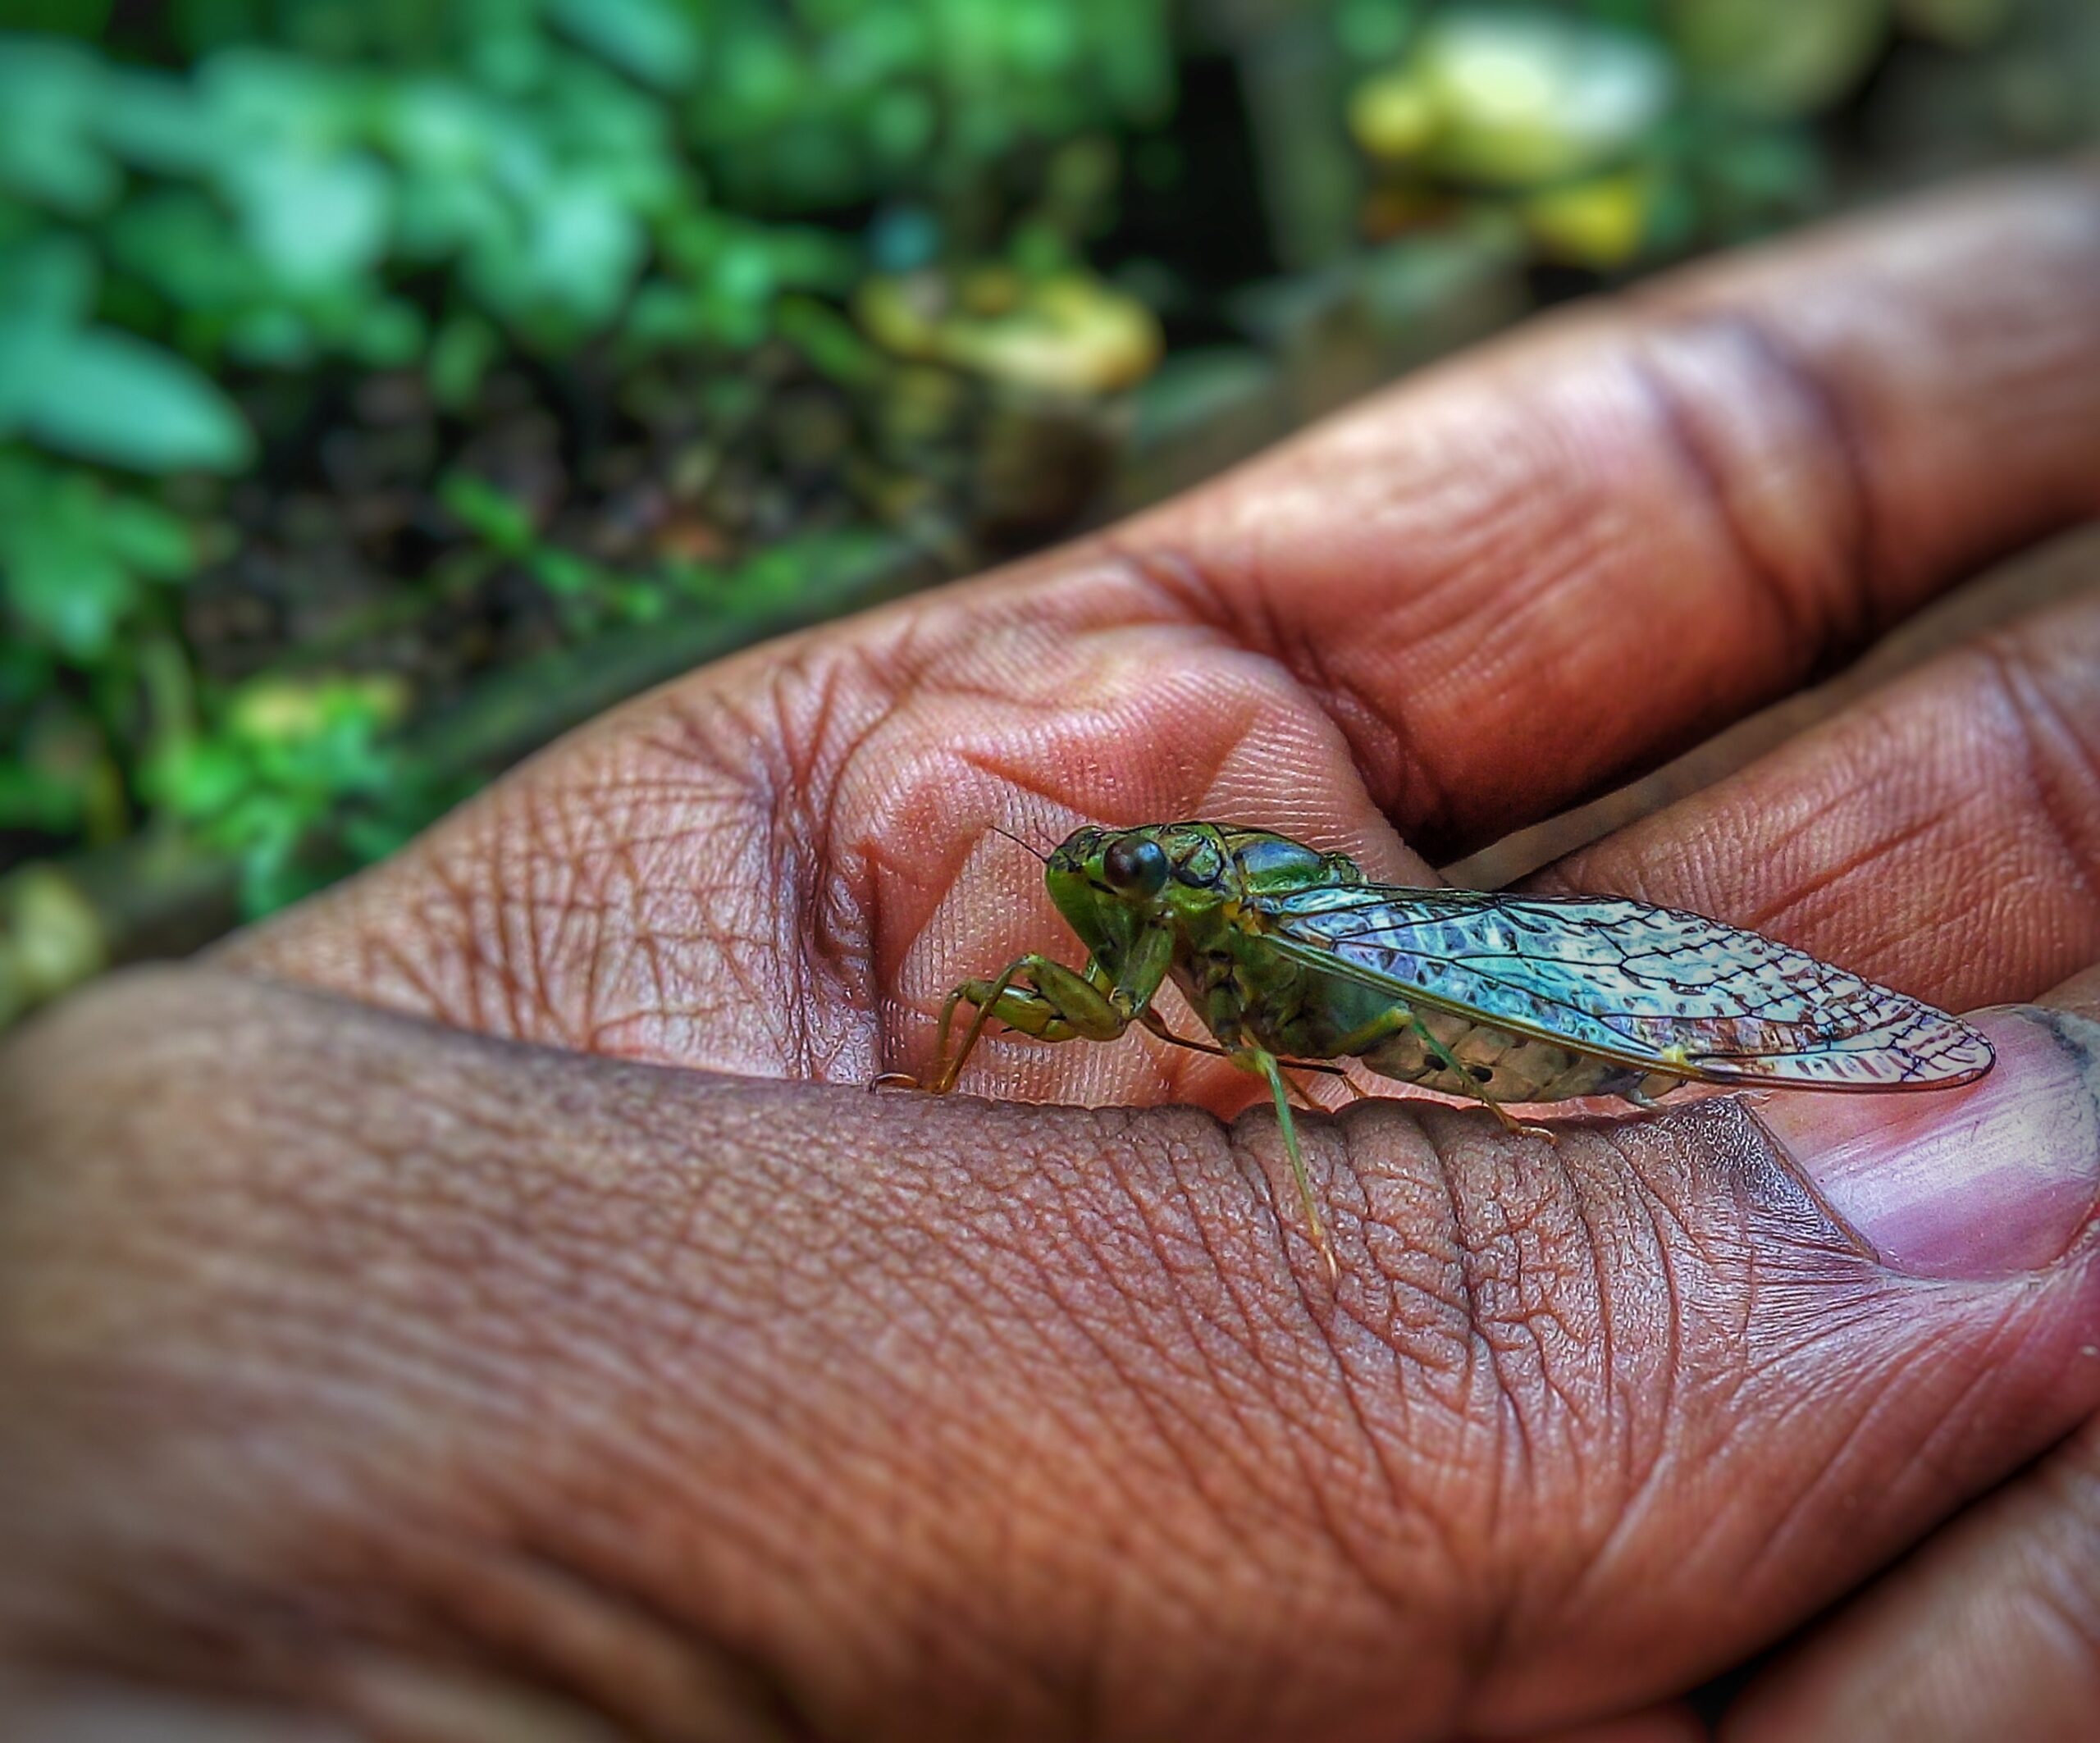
<point>1511,581</point>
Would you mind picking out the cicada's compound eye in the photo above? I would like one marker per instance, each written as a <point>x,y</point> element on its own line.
<point>1136,865</point>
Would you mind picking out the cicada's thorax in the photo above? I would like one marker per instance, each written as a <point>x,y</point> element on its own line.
<point>1245,991</point>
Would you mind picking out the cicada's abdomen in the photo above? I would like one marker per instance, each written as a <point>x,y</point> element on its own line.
<point>1505,1067</point>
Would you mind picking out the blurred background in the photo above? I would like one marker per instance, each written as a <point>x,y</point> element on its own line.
<point>387,385</point>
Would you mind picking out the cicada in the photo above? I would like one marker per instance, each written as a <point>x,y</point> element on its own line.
<point>1291,958</point>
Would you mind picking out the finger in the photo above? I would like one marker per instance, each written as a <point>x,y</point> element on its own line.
<point>1515,578</point>
<point>1992,1630</point>
<point>1674,1723</point>
<point>721,1405</point>
<point>1943,835</point>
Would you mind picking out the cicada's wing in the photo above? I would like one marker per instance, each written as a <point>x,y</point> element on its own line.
<point>1644,986</point>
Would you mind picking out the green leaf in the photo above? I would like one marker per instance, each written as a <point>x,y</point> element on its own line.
<point>198,778</point>
<point>1780,57</point>
<point>47,284</point>
<point>564,573</point>
<point>156,121</point>
<point>584,251</point>
<point>110,396</point>
<point>183,245</point>
<point>65,585</point>
<point>33,798</point>
<point>50,279</point>
<point>269,101</point>
<point>389,335</point>
<point>147,537</point>
<point>315,221</point>
<point>465,346</point>
<point>49,90</point>
<point>649,40</point>
<point>500,520</point>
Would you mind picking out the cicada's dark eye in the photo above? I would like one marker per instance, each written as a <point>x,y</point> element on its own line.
<point>1136,865</point>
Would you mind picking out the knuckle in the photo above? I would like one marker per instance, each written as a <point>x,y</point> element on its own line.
<point>1767,442</point>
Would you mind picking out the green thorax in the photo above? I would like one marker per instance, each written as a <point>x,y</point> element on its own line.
<point>1119,897</point>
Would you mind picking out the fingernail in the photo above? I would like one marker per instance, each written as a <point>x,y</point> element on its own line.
<point>1991,1180</point>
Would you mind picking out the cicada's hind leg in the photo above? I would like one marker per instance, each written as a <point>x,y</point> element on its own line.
<point>1265,1065</point>
<point>1157,1023</point>
<point>1478,1091</point>
<point>1648,1091</point>
<point>1397,1018</point>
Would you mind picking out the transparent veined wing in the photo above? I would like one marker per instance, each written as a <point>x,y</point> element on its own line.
<point>1642,985</point>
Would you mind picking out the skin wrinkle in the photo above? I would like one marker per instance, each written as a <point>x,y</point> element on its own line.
<point>1401,1498</point>
<point>849,1519</point>
<point>1846,1456</point>
<point>1980,312</point>
<point>1093,1682</point>
<point>617,811</point>
<point>2072,1579</point>
<point>1384,754</point>
<point>842,928</point>
<point>1486,1647</point>
<point>751,810</point>
<point>549,1622</point>
<point>1238,1332</point>
<point>191,1595</point>
<point>1642,1466</point>
<point>1931,1456</point>
<point>2040,719</point>
<point>1074,1316</point>
<point>1367,1445</point>
<point>1536,584</point>
<point>1120,1370</point>
<point>1615,1428</point>
<point>1935,746</point>
<point>1805,894</point>
<point>1792,598</point>
<point>1854,538</point>
<point>1729,1133</point>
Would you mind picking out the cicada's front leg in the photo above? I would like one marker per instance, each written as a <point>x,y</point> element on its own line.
<point>1051,1002</point>
<point>1036,996</point>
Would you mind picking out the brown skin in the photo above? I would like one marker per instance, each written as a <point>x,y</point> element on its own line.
<point>358,1358</point>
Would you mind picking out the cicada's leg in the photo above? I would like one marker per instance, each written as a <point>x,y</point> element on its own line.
<point>1034,995</point>
<point>1265,1065</point>
<point>1510,1124</point>
<point>1153,1021</point>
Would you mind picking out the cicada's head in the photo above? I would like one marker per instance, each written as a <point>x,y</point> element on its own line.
<point>1110,885</point>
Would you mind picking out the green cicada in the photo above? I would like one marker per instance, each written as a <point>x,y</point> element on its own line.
<point>1290,958</point>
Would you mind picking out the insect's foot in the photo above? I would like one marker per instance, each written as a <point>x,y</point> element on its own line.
<point>1516,1127</point>
<point>894,1080</point>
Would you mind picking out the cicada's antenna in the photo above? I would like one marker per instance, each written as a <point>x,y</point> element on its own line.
<point>1018,843</point>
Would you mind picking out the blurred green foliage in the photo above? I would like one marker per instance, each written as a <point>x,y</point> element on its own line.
<point>333,330</point>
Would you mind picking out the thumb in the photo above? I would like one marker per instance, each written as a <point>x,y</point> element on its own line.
<point>738,1408</point>
<point>1992,1182</point>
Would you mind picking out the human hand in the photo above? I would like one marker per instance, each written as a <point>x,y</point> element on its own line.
<point>372,1367</point>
